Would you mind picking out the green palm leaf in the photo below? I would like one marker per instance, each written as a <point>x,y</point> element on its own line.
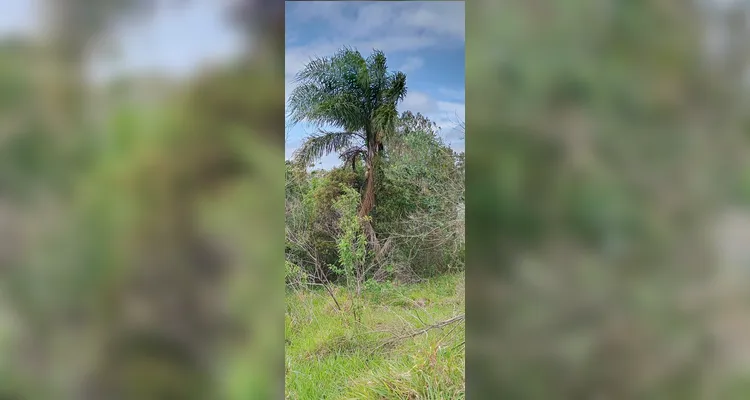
<point>321,144</point>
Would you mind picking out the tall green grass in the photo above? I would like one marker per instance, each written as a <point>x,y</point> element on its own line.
<point>331,356</point>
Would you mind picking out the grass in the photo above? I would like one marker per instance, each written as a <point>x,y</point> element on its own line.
<point>331,355</point>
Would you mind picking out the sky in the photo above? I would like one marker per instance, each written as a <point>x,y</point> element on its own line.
<point>423,39</point>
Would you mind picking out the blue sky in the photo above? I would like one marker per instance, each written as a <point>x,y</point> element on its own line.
<point>424,39</point>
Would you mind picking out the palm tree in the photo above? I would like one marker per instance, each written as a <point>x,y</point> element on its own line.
<point>356,95</point>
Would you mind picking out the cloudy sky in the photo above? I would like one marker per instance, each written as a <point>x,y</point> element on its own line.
<point>424,39</point>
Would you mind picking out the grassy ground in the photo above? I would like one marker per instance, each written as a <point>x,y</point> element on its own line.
<point>329,355</point>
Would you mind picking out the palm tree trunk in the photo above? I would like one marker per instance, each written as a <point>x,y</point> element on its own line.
<point>368,198</point>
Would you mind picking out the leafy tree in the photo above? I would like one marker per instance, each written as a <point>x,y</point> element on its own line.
<point>410,122</point>
<point>422,191</point>
<point>312,219</point>
<point>351,241</point>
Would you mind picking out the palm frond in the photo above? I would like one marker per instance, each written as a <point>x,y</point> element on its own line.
<point>377,68</point>
<point>331,92</point>
<point>313,104</point>
<point>396,87</point>
<point>352,152</point>
<point>384,119</point>
<point>321,144</point>
<point>349,92</point>
<point>386,114</point>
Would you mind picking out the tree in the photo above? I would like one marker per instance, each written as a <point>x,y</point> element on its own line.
<point>359,97</point>
<point>421,189</point>
<point>409,122</point>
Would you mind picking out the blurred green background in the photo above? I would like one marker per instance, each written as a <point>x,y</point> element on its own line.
<point>138,259</point>
<point>607,214</point>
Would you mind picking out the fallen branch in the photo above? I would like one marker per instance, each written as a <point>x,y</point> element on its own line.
<point>430,327</point>
<point>425,329</point>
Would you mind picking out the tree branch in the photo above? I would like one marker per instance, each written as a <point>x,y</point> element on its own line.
<point>425,329</point>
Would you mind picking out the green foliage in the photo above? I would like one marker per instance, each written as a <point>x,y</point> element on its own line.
<point>596,172</point>
<point>409,123</point>
<point>420,208</point>
<point>106,203</point>
<point>332,90</point>
<point>328,189</point>
<point>421,198</point>
<point>16,88</point>
<point>158,190</point>
<point>313,219</point>
<point>351,241</point>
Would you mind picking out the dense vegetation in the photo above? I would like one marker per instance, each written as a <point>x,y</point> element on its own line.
<point>392,213</point>
<point>130,259</point>
<point>608,138</point>
<point>419,215</point>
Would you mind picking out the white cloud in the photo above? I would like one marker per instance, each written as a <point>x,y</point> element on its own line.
<point>360,20</point>
<point>458,109</point>
<point>411,64</point>
<point>452,94</point>
<point>418,102</point>
<point>448,20</point>
<point>428,105</point>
